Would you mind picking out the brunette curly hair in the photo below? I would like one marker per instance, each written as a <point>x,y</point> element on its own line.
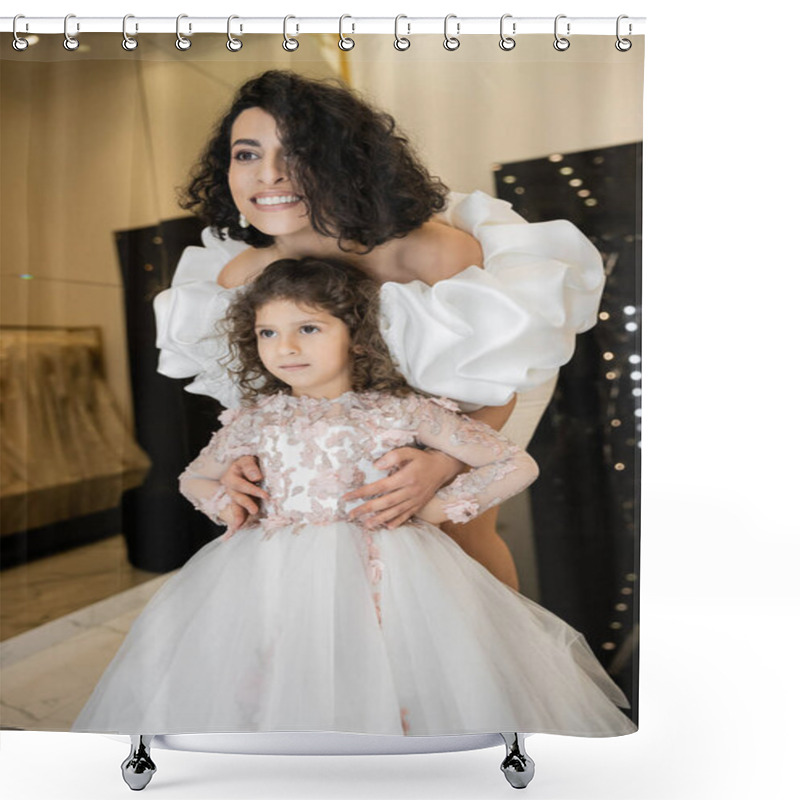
<point>331,286</point>
<point>359,176</point>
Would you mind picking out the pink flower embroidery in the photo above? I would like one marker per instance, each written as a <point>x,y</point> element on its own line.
<point>326,485</point>
<point>375,570</point>
<point>376,599</point>
<point>229,415</point>
<point>462,510</point>
<point>213,505</point>
<point>395,437</point>
<point>446,402</point>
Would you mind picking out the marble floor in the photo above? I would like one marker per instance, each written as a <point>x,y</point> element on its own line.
<point>62,618</point>
<point>48,588</point>
<point>49,672</point>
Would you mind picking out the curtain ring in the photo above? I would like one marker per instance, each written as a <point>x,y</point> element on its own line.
<point>451,42</point>
<point>129,42</point>
<point>507,42</point>
<point>290,44</point>
<point>345,42</point>
<point>233,44</point>
<point>70,42</point>
<point>623,45</point>
<point>400,42</point>
<point>19,44</point>
<point>561,44</point>
<point>182,43</point>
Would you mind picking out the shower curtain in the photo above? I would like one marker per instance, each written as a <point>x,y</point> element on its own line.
<point>95,146</point>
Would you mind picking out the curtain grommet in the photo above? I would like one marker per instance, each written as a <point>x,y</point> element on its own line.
<point>451,43</point>
<point>233,44</point>
<point>345,42</point>
<point>560,43</point>
<point>19,43</point>
<point>129,42</point>
<point>71,43</point>
<point>401,43</point>
<point>507,42</point>
<point>181,42</point>
<point>290,44</point>
<point>623,45</point>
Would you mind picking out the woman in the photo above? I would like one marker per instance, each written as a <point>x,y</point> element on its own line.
<point>477,304</point>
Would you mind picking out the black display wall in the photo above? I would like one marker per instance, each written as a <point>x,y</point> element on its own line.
<point>586,500</point>
<point>161,528</point>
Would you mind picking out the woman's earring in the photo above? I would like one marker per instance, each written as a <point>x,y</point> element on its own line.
<point>243,223</point>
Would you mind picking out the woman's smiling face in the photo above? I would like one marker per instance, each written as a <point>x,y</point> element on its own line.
<point>259,177</point>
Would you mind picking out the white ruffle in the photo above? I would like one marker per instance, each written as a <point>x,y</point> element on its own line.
<point>477,337</point>
<point>186,315</point>
<point>486,333</point>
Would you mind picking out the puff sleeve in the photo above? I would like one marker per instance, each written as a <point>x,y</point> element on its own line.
<point>186,316</point>
<point>484,334</point>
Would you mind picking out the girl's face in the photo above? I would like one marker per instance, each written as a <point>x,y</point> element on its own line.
<point>305,347</point>
<point>259,178</point>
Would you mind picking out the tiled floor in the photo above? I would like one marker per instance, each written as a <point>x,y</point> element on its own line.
<point>48,588</point>
<point>62,618</point>
<point>50,671</point>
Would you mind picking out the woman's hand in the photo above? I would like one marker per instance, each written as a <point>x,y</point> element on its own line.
<point>240,485</point>
<point>419,475</point>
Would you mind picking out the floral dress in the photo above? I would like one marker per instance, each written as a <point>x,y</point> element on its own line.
<point>307,621</point>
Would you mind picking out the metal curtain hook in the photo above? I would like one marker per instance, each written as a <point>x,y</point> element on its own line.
<point>561,44</point>
<point>182,43</point>
<point>233,44</point>
<point>400,42</point>
<point>70,42</point>
<point>507,42</point>
<point>345,42</point>
<point>19,43</point>
<point>451,42</point>
<point>623,45</point>
<point>129,42</point>
<point>290,44</point>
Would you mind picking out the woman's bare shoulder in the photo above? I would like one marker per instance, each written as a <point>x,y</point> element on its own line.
<point>244,267</point>
<point>437,251</point>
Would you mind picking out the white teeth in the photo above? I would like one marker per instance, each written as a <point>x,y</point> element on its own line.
<point>276,201</point>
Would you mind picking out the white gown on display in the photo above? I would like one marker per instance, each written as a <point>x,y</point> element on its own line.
<point>307,621</point>
<point>476,337</point>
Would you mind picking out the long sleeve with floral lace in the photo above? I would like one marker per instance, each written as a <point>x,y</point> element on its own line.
<point>501,468</point>
<point>200,481</point>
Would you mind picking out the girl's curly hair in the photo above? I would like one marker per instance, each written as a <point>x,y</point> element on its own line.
<point>360,178</point>
<point>331,286</point>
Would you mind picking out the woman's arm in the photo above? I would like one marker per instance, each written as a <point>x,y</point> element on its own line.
<point>494,416</point>
<point>436,252</point>
<point>417,475</point>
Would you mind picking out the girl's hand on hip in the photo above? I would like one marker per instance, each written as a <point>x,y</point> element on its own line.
<point>240,484</point>
<point>417,476</point>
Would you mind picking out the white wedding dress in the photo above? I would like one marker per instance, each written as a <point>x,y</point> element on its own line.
<point>307,621</point>
<point>476,337</point>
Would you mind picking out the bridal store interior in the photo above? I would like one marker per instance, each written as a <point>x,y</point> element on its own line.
<point>94,145</point>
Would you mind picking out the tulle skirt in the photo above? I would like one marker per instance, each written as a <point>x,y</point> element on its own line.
<point>333,629</point>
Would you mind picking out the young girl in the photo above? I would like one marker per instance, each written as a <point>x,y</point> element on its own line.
<point>310,618</point>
